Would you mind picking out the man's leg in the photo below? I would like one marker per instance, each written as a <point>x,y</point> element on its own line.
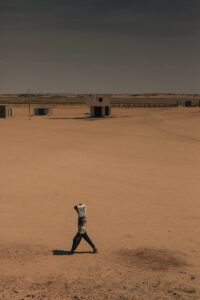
<point>86,237</point>
<point>76,241</point>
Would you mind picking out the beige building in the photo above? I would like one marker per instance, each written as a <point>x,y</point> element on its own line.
<point>100,105</point>
<point>189,102</point>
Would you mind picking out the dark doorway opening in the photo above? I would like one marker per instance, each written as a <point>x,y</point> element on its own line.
<point>188,103</point>
<point>107,110</point>
<point>2,111</point>
<point>98,111</point>
<point>5,111</point>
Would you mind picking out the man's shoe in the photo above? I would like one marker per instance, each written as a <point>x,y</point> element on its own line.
<point>95,250</point>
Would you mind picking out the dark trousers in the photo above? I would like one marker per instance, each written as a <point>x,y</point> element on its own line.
<point>77,239</point>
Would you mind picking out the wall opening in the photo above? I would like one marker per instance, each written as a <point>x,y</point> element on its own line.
<point>107,110</point>
<point>41,111</point>
<point>97,111</point>
<point>5,111</point>
<point>2,111</point>
<point>188,103</point>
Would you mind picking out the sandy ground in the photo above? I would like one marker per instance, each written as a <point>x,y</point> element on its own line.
<point>139,174</point>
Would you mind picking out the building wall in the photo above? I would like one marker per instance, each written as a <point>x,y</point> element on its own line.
<point>93,99</point>
<point>153,102</point>
<point>194,102</point>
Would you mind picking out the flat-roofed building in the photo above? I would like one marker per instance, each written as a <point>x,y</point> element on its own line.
<point>100,105</point>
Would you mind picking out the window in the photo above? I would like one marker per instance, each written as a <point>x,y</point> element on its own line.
<point>100,99</point>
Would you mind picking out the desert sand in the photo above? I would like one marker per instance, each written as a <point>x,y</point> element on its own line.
<point>138,173</point>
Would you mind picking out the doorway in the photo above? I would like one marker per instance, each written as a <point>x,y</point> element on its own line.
<point>188,103</point>
<point>98,111</point>
<point>107,110</point>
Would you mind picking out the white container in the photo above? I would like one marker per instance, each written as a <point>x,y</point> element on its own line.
<point>81,209</point>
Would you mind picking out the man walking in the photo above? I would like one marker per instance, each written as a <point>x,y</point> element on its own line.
<point>81,210</point>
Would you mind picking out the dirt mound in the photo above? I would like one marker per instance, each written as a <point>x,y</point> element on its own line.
<point>155,259</point>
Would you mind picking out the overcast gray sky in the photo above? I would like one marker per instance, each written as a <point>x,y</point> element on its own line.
<point>114,46</point>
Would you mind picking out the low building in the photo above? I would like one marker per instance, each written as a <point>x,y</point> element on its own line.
<point>100,105</point>
<point>5,111</point>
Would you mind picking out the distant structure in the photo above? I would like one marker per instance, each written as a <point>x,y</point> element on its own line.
<point>5,111</point>
<point>42,111</point>
<point>100,105</point>
<point>155,102</point>
<point>188,102</point>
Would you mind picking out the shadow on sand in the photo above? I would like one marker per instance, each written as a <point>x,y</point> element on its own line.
<point>81,118</point>
<point>63,252</point>
<point>75,118</point>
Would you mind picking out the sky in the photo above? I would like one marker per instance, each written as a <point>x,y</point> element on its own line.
<point>105,46</point>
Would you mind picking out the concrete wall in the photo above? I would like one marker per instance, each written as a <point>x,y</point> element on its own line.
<point>93,99</point>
